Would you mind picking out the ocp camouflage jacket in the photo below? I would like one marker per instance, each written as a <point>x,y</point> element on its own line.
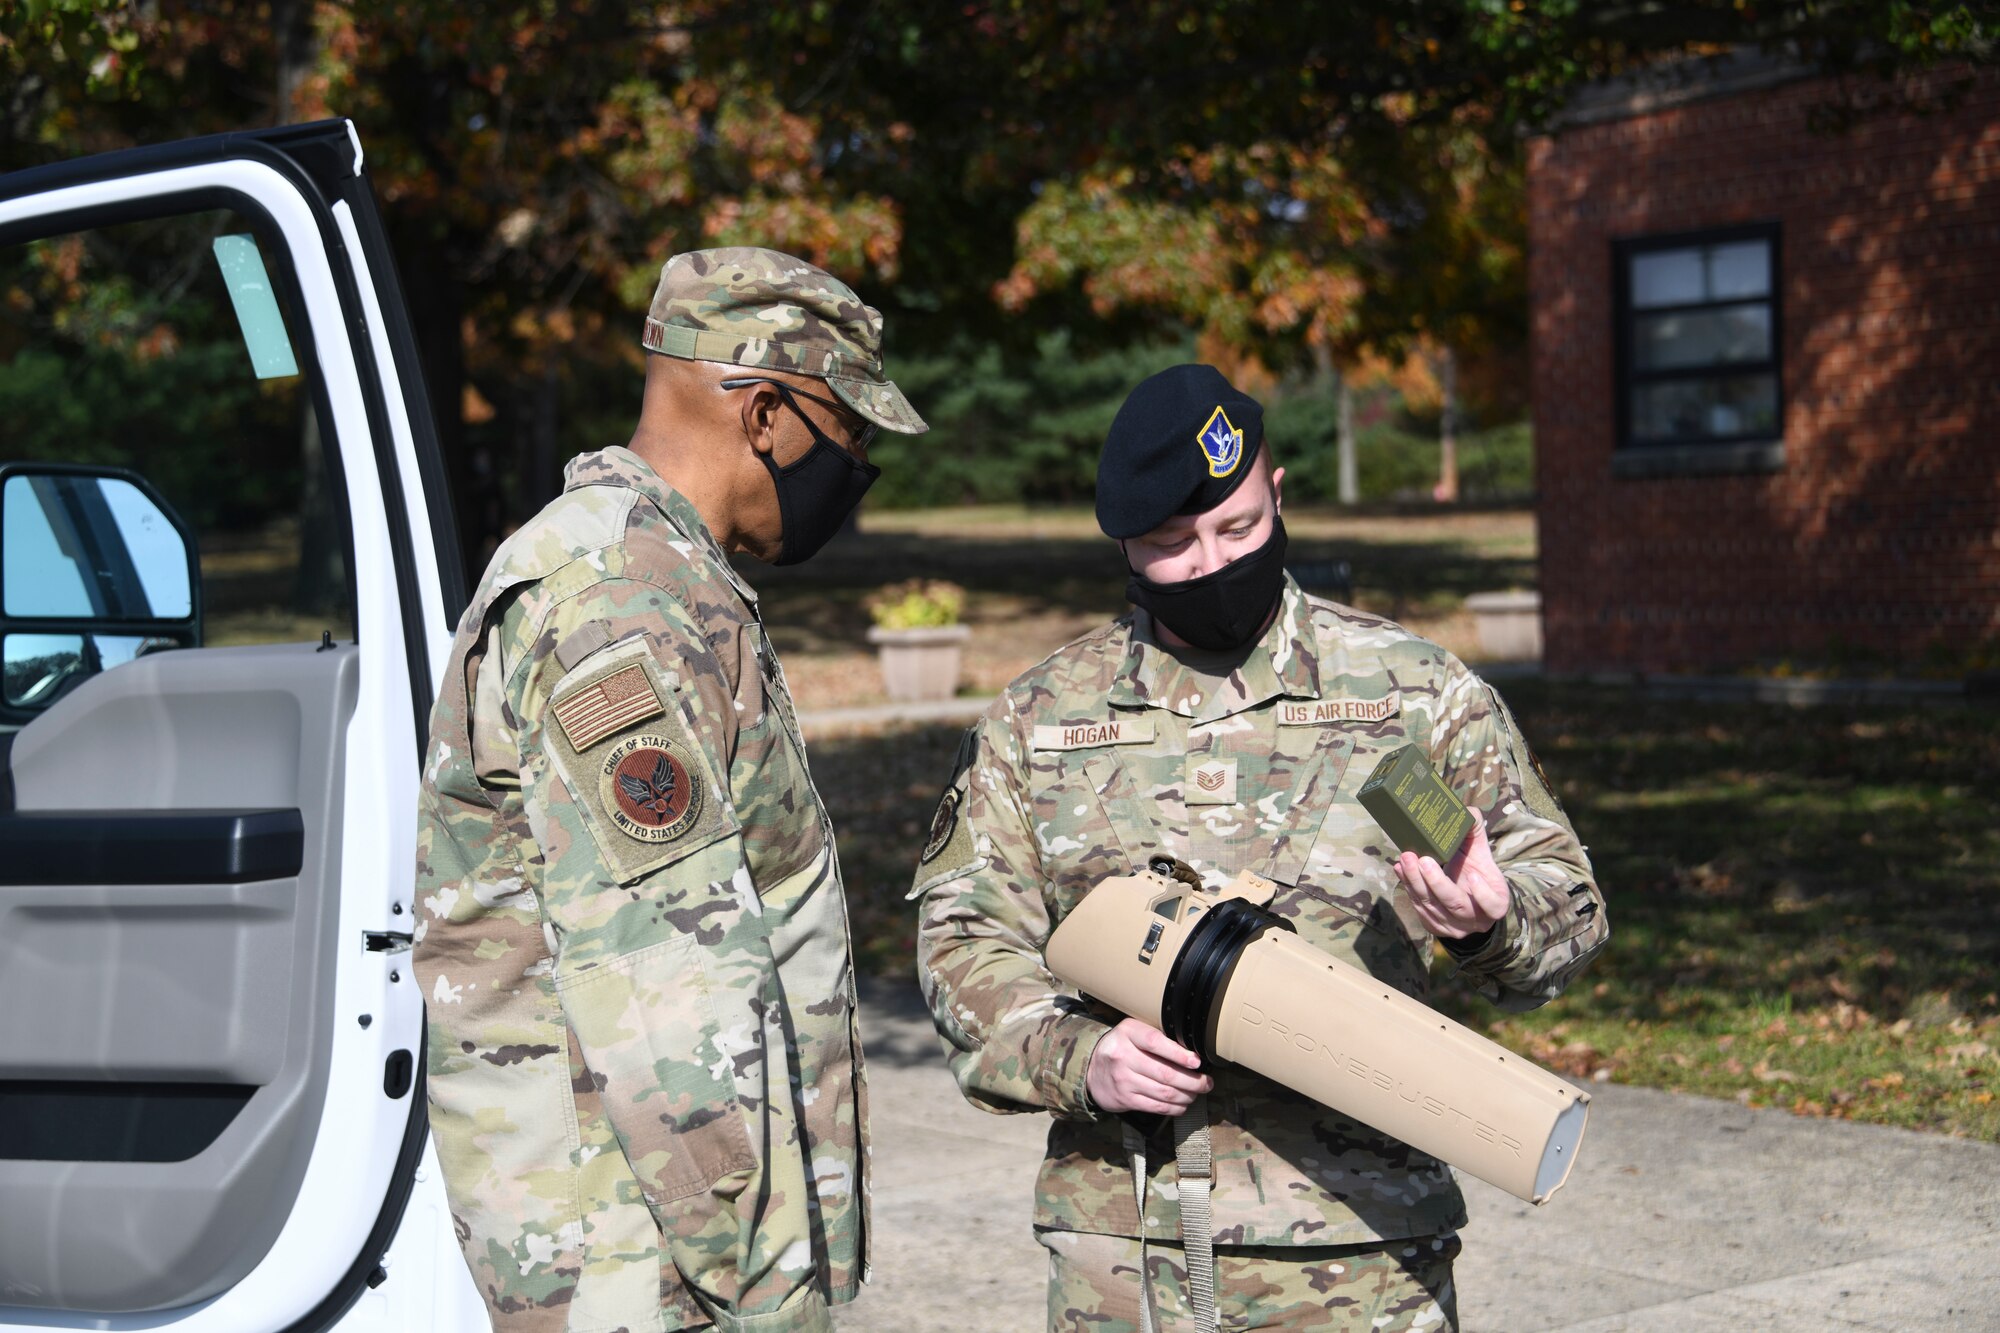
<point>1108,752</point>
<point>644,1073</point>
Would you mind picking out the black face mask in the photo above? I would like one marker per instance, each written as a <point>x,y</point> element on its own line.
<point>1224,608</point>
<point>819,491</point>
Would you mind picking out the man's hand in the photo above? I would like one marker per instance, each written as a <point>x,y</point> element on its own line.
<point>1139,1068</point>
<point>1463,897</point>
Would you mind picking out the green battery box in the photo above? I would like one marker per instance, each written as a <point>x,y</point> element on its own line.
<point>1415,807</point>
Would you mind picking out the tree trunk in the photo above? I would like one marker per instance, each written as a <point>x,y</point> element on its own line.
<point>1350,469</point>
<point>292,22</point>
<point>436,302</point>
<point>1328,374</point>
<point>320,585</point>
<point>428,253</point>
<point>1447,372</point>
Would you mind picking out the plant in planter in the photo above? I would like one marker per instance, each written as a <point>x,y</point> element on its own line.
<point>918,638</point>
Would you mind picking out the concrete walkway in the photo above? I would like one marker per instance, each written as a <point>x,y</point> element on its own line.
<point>1684,1215</point>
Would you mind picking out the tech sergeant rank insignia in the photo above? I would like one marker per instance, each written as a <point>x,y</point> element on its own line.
<point>649,789</point>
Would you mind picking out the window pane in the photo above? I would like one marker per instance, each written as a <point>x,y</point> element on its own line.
<point>170,346</point>
<point>1667,277</point>
<point>1722,407</point>
<point>1742,268</point>
<point>1702,338</point>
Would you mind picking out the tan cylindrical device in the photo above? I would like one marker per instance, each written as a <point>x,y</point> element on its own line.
<point>1224,977</point>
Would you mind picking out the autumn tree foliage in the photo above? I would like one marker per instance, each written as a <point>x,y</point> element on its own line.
<point>1295,182</point>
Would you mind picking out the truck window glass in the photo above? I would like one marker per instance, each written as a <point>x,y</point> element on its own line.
<point>172,346</point>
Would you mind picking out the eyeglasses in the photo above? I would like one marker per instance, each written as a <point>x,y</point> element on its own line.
<point>857,445</point>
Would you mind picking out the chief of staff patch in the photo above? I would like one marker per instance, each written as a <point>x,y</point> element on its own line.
<point>650,792</point>
<point>1221,443</point>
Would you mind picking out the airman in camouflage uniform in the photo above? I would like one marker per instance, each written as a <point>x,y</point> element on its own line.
<point>1133,742</point>
<point>645,1079</point>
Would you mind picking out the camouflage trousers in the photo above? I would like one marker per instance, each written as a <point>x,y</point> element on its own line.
<point>1379,1287</point>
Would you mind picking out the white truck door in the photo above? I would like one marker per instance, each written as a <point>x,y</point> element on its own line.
<point>211,1042</point>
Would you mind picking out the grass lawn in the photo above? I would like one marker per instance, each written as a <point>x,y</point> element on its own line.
<point>1040,577</point>
<point>1805,904</point>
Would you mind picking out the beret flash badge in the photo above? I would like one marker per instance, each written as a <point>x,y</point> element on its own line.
<point>649,790</point>
<point>1221,443</point>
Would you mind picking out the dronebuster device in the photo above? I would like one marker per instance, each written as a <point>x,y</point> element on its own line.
<point>1223,976</point>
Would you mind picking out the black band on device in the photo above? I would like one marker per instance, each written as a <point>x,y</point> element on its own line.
<point>1202,970</point>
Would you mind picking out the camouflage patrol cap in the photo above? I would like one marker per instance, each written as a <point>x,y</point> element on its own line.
<point>746,306</point>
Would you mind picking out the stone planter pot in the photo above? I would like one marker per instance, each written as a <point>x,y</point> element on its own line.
<point>1509,625</point>
<point>919,664</point>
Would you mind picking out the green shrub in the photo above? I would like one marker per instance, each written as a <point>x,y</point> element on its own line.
<point>917,604</point>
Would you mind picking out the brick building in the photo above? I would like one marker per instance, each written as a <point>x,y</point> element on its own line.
<point>1766,376</point>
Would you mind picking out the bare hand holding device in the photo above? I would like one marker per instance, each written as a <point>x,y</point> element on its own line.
<point>1140,1068</point>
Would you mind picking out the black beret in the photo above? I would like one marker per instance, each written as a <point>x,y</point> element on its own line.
<point>1182,441</point>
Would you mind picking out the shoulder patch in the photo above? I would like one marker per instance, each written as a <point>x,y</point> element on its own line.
<point>631,765</point>
<point>649,788</point>
<point>944,823</point>
<point>606,702</point>
<point>950,849</point>
<point>1536,789</point>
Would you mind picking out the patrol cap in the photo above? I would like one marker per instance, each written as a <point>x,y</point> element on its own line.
<point>1182,441</point>
<point>747,306</point>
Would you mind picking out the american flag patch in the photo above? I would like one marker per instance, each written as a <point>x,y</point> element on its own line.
<point>618,701</point>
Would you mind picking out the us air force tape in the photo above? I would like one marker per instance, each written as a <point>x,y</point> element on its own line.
<point>1222,976</point>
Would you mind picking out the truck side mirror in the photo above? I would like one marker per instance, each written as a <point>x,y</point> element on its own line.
<point>95,570</point>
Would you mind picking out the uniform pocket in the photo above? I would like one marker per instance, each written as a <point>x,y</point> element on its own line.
<point>652,1046</point>
<point>1345,898</point>
<point>1090,820</point>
